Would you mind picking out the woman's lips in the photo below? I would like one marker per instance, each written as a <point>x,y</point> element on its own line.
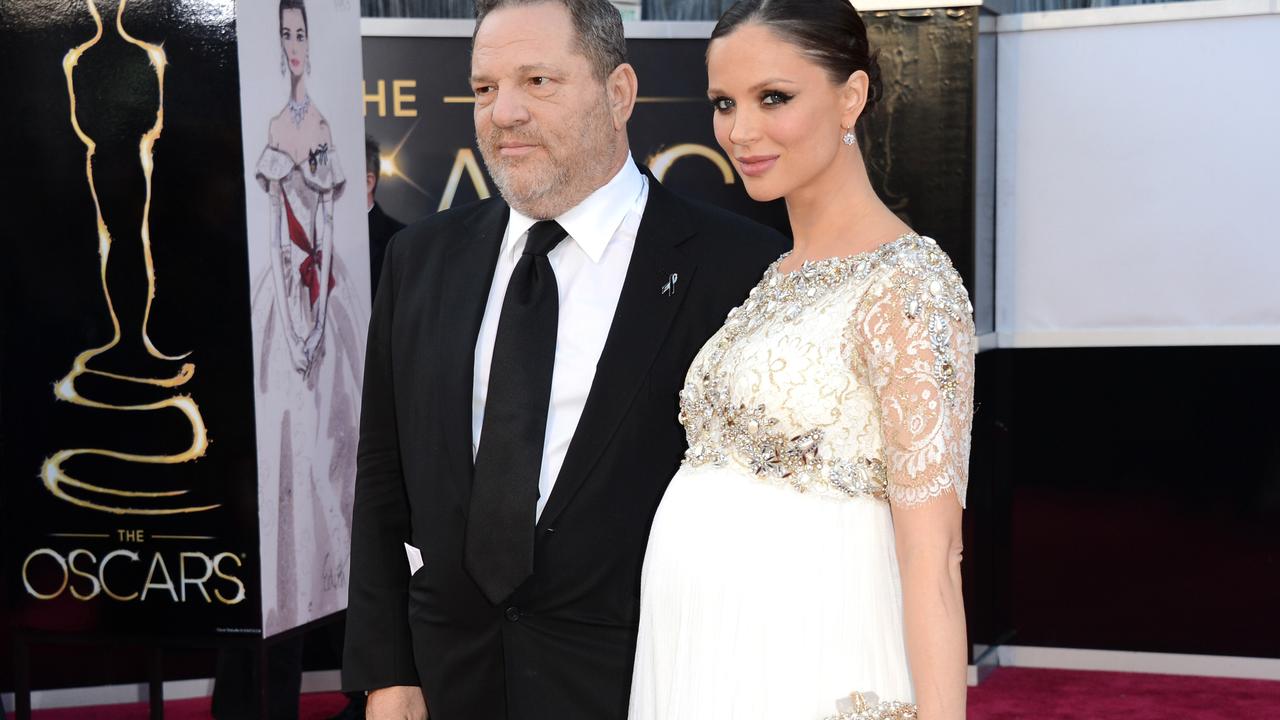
<point>295,62</point>
<point>756,164</point>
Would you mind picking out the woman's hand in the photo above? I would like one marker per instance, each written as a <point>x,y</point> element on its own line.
<point>311,347</point>
<point>298,356</point>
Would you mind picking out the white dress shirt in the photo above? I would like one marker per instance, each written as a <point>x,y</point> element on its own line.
<point>590,266</point>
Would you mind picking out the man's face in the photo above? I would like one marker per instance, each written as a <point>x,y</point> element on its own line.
<point>542,116</point>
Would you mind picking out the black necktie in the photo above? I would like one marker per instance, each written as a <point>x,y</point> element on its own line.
<point>504,494</point>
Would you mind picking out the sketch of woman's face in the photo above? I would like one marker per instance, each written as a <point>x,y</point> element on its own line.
<point>293,40</point>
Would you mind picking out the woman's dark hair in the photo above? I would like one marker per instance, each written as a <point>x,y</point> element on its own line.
<point>830,32</point>
<point>295,5</point>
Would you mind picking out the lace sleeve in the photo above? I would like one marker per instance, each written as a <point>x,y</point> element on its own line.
<point>916,339</point>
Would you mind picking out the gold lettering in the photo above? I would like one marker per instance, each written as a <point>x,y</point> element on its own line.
<point>71,563</point>
<point>399,97</point>
<point>102,573</point>
<point>136,536</point>
<point>217,560</point>
<point>379,97</point>
<point>662,161</point>
<point>56,558</point>
<point>465,160</point>
<point>198,582</point>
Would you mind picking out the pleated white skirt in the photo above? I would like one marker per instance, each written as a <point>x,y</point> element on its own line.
<point>762,602</point>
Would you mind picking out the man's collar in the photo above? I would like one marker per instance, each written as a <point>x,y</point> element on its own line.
<point>593,221</point>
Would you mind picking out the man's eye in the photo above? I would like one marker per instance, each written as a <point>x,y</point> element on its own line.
<point>540,81</point>
<point>483,89</point>
<point>722,104</point>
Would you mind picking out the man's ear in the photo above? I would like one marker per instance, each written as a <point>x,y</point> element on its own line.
<point>622,87</point>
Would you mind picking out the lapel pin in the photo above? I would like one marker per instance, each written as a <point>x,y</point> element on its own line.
<point>670,287</point>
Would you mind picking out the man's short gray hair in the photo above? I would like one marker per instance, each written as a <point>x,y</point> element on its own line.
<point>597,23</point>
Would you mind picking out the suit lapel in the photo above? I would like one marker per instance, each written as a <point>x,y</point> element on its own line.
<point>640,325</point>
<point>467,276</point>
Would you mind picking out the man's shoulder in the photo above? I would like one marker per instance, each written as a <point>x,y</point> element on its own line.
<point>729,235</point>
<point>440,229</point>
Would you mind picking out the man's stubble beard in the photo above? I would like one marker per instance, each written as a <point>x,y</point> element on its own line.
<point>567,180</point>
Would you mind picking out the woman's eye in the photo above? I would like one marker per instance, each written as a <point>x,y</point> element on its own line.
<point>722,104</point>
<point>774,98</point>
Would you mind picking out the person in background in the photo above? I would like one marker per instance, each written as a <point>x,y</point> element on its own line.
<point>381,225</point>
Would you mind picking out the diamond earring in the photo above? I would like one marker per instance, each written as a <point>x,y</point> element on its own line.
<point>308,64</point>
<point>849,138</point>
<point>282,63</point>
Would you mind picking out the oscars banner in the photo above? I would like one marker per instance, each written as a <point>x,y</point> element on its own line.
<point>918,144</point>
<point>305,204</point>
<point>184,302</point>
<point>127,396</point>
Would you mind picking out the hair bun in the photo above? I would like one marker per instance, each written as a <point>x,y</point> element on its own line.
<point>875,89</point>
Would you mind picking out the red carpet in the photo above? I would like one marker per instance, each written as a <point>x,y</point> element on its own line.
<point>1031,694</point>
<point>312,706</point>
<point>1007,694</point>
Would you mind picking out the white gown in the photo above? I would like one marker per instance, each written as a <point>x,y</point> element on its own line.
<point>770,585</point>
<point>306,425</point>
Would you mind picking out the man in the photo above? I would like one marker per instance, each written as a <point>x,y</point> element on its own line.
<point>381,225</point>
<point>520,393</point>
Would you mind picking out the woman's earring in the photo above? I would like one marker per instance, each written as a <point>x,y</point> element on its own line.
<point>849,138</point>
<point>282,63</point>
<point>308,64</point>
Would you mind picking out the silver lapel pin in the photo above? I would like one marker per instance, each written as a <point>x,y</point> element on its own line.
<point>670,287</point>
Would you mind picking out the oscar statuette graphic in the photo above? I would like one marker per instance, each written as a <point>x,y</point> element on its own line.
<point>119,380</point>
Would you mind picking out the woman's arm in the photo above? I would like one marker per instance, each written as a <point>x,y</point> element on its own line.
<point>275,252</point>
<point>918,346</point>
<point>929,544</point>
<point>324,244</point>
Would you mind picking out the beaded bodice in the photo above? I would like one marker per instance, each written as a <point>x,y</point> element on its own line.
<point>847,377</point>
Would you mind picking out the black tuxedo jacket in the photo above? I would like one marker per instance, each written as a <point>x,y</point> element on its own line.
<point>381,227</point>
<point>562,646</point>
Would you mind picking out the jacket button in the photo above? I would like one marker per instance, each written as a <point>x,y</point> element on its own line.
<point>513,614</point>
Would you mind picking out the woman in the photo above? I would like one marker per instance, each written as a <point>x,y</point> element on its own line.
<point>805,560</point>
<point>309,359</point>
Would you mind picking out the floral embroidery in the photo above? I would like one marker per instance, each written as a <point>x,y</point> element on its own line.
<point>848,377</point>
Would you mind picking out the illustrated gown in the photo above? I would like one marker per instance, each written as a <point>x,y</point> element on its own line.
<point>306,423</point>
<point>770,582</point>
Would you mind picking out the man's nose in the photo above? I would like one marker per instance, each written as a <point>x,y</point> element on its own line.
<point>510,108</point>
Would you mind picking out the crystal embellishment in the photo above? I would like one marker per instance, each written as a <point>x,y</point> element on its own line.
<point>866,706</point>
<point>720,430</point>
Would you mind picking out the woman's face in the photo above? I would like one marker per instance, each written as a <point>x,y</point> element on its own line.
<point>778,115</point>
<point>293,40</point>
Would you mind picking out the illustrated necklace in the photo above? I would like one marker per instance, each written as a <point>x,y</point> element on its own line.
<point>298,110</point>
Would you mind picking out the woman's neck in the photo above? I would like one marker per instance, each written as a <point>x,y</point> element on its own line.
<point>839,214</point>
<point>299,91</point>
